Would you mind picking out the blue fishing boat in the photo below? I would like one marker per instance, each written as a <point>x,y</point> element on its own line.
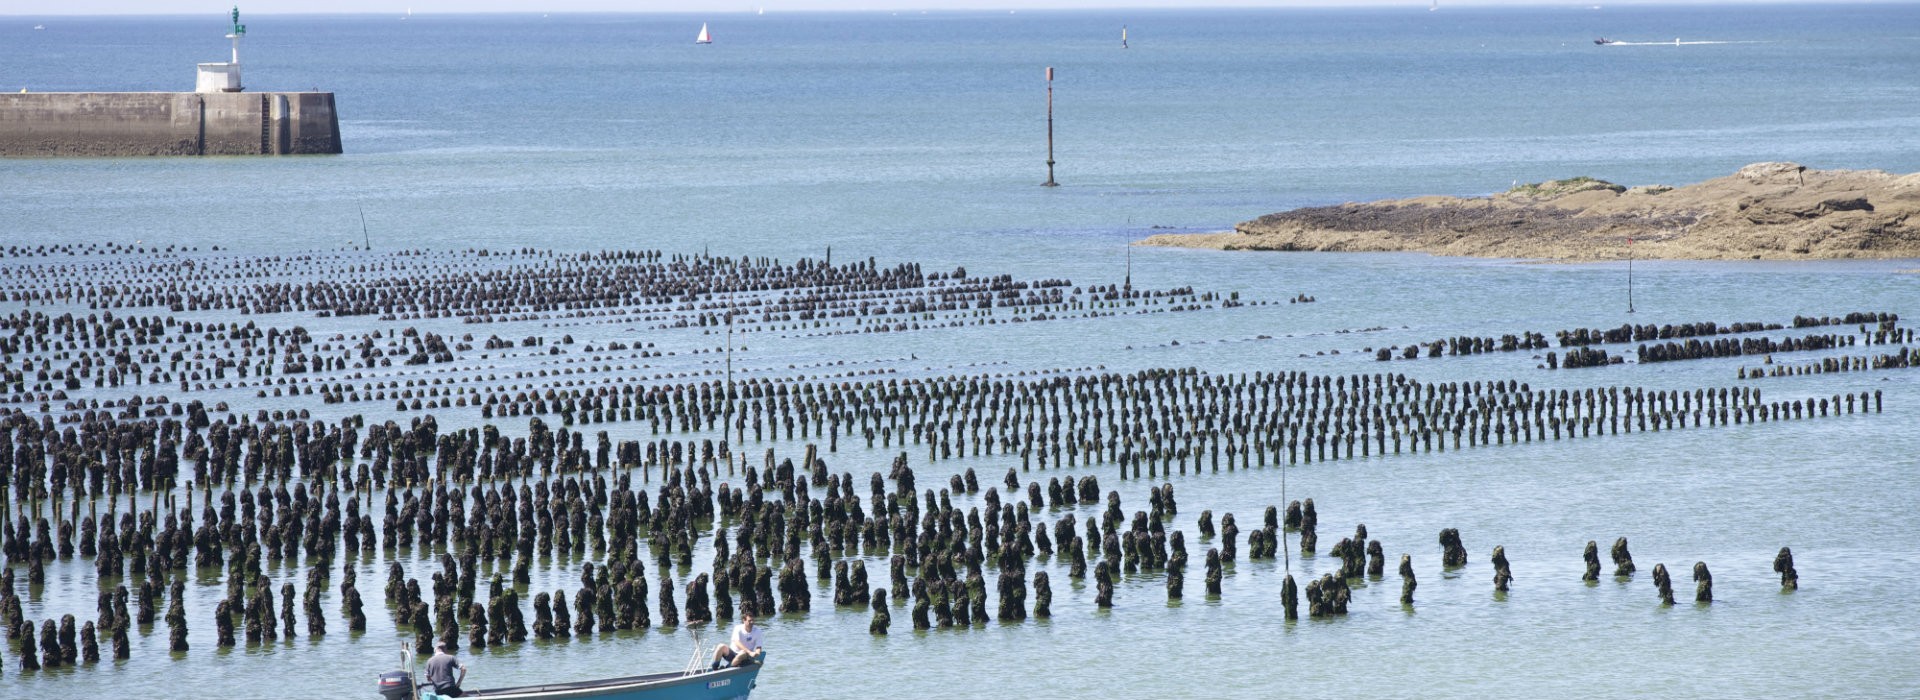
<point>695,682</point>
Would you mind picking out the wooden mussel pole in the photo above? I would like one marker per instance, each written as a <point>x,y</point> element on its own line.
<point>1663,583</point>
<point>882,618</point>
<point>1622,559</point>
<point>1453,553</point>
<point>1407,581</point>
<point>1502,573</point>
<point>1783,565</point>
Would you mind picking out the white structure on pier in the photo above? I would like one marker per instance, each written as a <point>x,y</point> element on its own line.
<point>223,77</point>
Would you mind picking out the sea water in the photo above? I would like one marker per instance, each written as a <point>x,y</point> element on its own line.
<point>922,137</point>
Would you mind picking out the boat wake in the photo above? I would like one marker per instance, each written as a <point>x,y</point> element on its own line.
<point>1678,42</point>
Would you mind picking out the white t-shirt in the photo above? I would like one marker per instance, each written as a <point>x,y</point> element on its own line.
<point>745,639</point>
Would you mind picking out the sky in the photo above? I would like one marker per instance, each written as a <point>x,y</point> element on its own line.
<point>268,7</point>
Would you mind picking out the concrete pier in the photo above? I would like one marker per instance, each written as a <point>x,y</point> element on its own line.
<point>65,124</point>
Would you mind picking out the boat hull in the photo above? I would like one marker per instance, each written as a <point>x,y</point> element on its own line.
<point>725,684</point>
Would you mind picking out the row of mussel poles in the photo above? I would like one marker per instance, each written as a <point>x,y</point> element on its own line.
<point>1166,420</point>
<point>292,494</point>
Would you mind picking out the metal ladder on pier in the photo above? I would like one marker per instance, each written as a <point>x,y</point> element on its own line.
<point>266,125</point>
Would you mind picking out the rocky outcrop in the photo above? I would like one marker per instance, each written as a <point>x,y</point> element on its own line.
<point>1774,211</point>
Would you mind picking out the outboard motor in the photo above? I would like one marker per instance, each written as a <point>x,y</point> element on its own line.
<point>396,685</point>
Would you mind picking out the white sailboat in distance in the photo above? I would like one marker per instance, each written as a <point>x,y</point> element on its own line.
<point>1123,36</point>
<point>704,37</point>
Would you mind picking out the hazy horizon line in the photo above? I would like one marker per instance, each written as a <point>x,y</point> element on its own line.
<point>733,7</point>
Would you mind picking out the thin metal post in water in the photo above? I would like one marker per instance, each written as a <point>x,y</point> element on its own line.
<point>1050,182</point>
<point>1629,274</point>
<point>728,399</point>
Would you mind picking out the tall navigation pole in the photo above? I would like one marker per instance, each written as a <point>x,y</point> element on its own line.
<point>1050,182</point>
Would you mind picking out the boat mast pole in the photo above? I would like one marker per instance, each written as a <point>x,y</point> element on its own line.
<point>1050,182</point>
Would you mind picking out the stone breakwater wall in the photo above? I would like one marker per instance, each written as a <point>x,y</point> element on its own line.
<point>62,124</point>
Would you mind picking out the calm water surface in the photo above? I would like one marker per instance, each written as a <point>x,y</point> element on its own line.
<point>921,137</point>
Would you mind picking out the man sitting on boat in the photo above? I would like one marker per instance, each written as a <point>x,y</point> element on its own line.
<point>440,671</point>
<point>743,648</point>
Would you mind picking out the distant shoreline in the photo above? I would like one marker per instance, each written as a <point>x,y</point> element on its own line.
<point>1765,211</point>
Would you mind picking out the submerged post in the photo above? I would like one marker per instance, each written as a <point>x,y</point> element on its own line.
<point>1629,274</point>
<point>1050,182</point>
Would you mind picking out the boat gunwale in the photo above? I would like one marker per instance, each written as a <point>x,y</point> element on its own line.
<point>666,679</point>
